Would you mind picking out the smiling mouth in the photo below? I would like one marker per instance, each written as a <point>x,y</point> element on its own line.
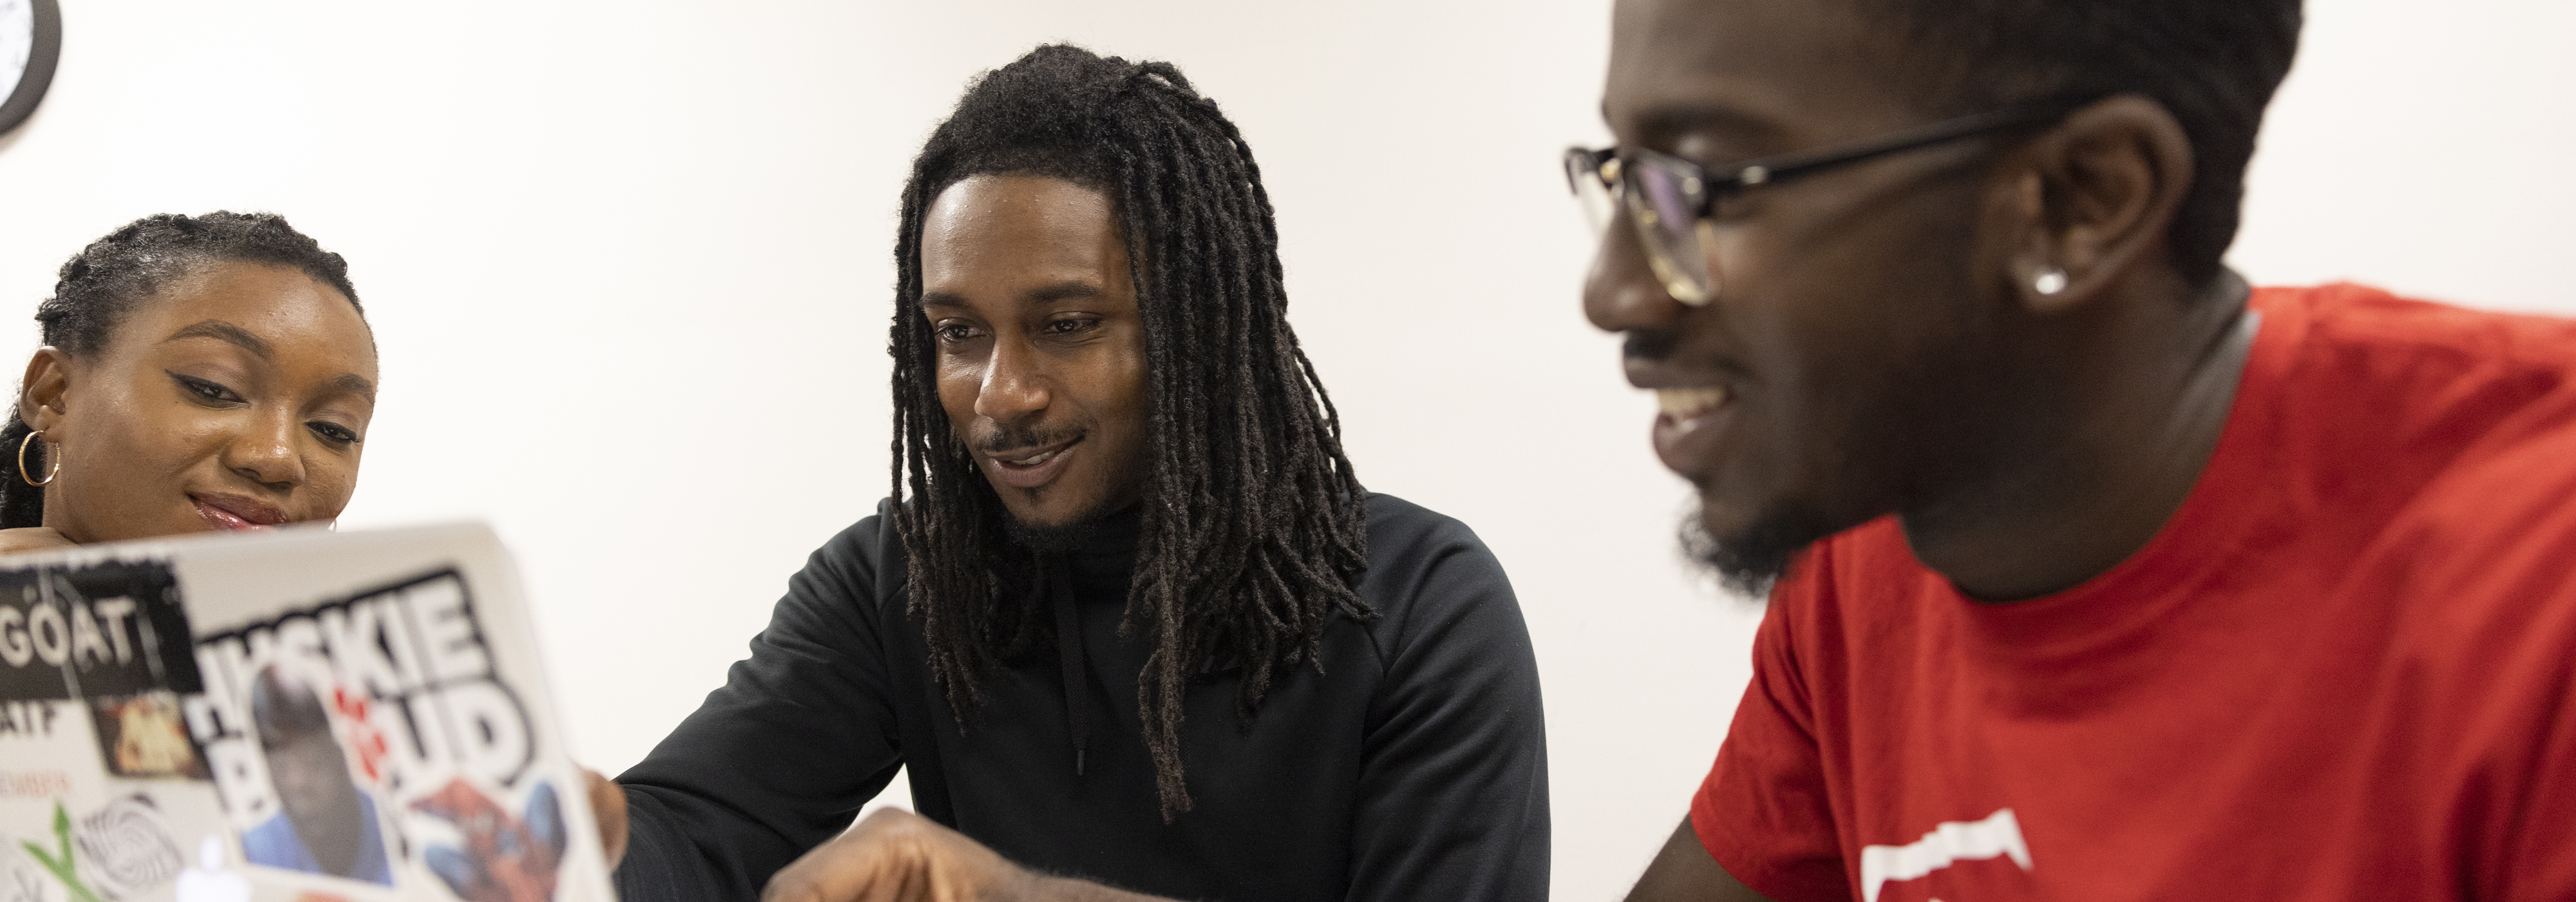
<point>1691,427</point>
<point>1031,459</point>
<point>235,513</point>
<point>1031,468</point>
<point>1685,403</point>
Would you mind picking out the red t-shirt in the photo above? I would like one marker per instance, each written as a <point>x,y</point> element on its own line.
<point>2341,671</point>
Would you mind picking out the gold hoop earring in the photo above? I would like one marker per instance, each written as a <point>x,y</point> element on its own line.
<point>56,459</point>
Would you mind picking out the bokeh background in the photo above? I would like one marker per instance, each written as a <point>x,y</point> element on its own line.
<point>629,267</point>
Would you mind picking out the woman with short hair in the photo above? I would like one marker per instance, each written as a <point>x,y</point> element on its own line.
<point>198,374</point>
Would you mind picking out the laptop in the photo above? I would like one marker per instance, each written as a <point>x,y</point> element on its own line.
<point>293,716</point>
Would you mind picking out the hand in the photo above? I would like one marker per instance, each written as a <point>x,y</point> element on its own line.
<point>608,809</point>
<point>32,539</point>
<point>898,856</point>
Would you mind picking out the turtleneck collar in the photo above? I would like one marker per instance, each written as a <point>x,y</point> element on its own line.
<point>1106,548</point>
<point>1099,557</point>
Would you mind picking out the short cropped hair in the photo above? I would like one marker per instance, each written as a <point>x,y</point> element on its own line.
<point>2213,64</point>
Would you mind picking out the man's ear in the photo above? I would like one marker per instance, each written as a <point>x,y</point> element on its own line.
<point>46,389</point>
<point>2095,199</point>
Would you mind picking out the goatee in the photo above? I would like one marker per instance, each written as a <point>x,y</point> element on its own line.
<point>1055,538</point>
<point>1752,562</point>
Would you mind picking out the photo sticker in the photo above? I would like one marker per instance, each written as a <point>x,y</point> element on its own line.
<point>143,735</point>
<point>359,736</point>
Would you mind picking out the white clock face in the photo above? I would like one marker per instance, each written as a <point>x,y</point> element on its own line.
<point>17,40</point>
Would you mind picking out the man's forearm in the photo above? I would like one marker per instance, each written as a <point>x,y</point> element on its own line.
<point>1684,872</point>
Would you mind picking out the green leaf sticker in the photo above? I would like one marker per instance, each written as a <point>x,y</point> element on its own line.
<point>60,863</point>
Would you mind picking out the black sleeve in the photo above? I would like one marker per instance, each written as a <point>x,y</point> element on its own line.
<point>1453,778</point>
<point>780,759</point>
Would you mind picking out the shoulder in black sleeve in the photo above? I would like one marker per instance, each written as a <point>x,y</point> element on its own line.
<point>781,758</point>
<point>1453,795</point>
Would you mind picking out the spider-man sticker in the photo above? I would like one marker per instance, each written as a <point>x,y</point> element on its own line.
<point>353,736</point>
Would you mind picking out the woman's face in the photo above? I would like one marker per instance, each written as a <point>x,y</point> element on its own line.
<point>236,398</point>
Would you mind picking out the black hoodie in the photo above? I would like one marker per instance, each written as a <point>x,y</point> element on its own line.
<point>1413,767</point>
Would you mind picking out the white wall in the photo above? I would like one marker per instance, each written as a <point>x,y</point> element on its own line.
<point>628,266</point>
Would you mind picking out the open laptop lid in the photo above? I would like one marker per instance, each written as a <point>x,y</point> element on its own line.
<point>295,715</point>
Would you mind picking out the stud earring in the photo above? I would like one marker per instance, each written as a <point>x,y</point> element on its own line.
<point>2049,282</point>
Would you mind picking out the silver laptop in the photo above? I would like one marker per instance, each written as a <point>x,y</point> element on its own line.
<point>295,716</point>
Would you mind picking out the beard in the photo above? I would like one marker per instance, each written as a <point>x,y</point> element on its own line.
<point>1044,538</point>
<point>1751,562</point>
<point>1058,538</point>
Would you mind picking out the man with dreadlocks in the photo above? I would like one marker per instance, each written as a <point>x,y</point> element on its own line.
<point>1130,621</point>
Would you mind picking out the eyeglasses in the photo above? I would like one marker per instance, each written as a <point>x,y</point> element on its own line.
<point>1670,199</point>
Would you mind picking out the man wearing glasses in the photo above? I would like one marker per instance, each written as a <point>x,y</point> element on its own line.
<point>2093,573</point>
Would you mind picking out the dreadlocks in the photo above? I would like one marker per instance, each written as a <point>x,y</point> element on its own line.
<point>1253,527</point>
<point>103,283</point>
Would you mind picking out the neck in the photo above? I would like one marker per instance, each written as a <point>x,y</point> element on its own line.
<point>2103,431</point>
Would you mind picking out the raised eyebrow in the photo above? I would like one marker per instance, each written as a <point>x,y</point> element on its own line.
<point>1664,123</point>
<point>357,385</point>
<point>224,331</point>
<point>1048,294</point>
<point>1065,291</point>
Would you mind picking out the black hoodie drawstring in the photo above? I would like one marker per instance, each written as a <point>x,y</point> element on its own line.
<point>1068,642</point>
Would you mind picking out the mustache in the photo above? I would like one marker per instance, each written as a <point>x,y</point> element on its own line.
<point>1660,346</point>
<point>1650,344</point>
<point>1003,439</point>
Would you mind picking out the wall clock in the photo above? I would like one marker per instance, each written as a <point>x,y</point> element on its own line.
<point>31,39</point>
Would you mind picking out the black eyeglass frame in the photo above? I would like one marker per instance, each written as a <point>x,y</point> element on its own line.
<point>1774,170</point>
